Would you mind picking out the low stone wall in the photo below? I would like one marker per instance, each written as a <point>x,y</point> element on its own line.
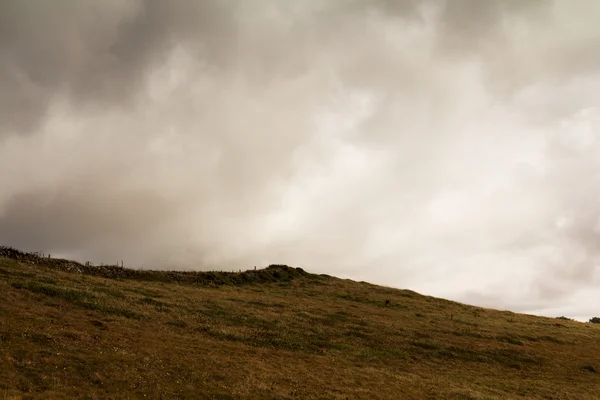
<point>273,273</point>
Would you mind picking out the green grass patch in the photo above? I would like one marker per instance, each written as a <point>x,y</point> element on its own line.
<point>509,339</point>
<point>48,280</point>
<point>143,292</point>
<point>79,298</point>
<point>110,292</point>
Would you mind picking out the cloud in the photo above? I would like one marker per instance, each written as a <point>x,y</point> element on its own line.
<point>444,146</point>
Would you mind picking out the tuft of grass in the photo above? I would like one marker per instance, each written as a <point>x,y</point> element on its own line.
<point>143,291</point>
<point>48,280</point>
<point>509,339</point>
<point>178,323</point>
<point>110,292</point>
<point>152,302</point>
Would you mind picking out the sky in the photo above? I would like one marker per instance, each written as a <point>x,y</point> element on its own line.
<point>448,147</point>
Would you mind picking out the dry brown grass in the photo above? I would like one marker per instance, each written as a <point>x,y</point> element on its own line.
<point>67,335</point>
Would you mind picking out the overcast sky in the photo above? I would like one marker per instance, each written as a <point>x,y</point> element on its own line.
<point>449,147</point>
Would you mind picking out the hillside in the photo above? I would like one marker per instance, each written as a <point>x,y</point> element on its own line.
<point>74,331</point>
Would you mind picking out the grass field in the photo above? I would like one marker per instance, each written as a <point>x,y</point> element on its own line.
<point>278,333</point>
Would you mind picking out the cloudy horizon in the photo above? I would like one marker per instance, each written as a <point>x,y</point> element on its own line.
<point>448,147</point>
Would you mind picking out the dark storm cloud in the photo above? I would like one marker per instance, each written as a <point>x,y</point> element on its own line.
<point>80,214</point>
<point>97,53</point>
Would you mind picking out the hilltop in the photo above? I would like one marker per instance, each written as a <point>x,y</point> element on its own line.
<point>70,330</point>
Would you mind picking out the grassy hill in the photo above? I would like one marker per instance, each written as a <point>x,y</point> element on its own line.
<point>74,331</point>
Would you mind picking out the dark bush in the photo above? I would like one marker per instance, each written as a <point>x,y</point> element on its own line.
<point>595,320</point>
<point>565,318</point>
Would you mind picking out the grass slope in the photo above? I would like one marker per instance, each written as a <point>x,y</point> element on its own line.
<point>282,333</point>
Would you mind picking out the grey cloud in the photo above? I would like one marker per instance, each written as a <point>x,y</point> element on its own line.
<point>98,54</point>
<point>80,215</point>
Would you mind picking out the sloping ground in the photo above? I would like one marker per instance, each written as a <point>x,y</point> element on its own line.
<point>282,333</point>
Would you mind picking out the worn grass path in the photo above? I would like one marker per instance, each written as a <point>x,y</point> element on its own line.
<point>285,335</point>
